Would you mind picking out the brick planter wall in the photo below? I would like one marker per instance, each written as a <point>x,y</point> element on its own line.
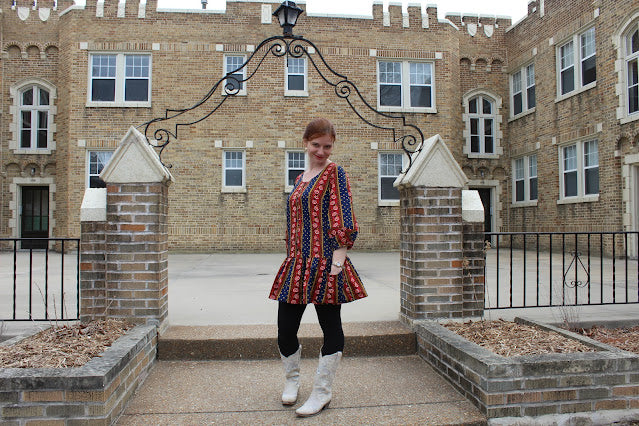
<point>533,385</point>
<point>94,394</point>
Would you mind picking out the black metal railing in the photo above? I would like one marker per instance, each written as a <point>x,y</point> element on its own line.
<point>39,284</point>
<point>545,269</point>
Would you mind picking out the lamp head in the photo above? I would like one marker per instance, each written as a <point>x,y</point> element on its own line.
<point>287,14</point>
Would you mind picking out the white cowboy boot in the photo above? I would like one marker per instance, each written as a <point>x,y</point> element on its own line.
<point>322,387</point>
<point>292,372</point>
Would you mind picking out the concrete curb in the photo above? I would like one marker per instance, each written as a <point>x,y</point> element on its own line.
<point>260,341</point>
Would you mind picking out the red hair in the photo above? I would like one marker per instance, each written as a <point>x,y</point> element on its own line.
<point>319,127</point>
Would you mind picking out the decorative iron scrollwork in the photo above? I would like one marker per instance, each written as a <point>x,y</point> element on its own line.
<point>576,260</point>
<point>408,136</point>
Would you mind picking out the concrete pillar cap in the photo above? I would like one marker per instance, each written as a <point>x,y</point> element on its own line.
<point>433,166</point>
<point>135,161</point>
<point>93,207</point>
<point>472,207</point>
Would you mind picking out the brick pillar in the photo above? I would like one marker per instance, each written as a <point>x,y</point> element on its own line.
<point>93,255</point>
<point>432,247</point>
<point>474,254</point>
<point>125,262</point>
<point>431,252</point>
<point>137,251</point>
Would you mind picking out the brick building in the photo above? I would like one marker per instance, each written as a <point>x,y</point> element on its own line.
<point>542,116</point>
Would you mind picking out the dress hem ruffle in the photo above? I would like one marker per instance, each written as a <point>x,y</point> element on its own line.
<point>308,280</point>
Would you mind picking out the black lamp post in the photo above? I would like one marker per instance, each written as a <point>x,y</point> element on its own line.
<point>287,13</point>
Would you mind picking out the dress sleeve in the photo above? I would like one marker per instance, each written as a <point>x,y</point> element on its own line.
<point>342,219</point>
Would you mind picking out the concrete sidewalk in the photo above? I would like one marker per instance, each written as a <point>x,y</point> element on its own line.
<point>228,293</point>
<point>216,289</point>
<point>208,289</point>
<point>367,390</point>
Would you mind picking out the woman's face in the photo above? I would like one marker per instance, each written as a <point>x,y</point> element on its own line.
<point>319,149</point>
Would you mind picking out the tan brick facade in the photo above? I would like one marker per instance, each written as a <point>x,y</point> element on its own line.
<point>473,57</point>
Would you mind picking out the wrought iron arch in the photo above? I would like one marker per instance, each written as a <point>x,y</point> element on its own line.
<point>409,136</point>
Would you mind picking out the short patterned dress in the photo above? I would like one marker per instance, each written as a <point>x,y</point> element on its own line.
<point>320,220</point>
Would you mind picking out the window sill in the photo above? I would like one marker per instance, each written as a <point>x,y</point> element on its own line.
<point>487,156</point>
<point>576,92</point>
<point>92,104</point>
<point>233,189</point>
<point>288,189</point>
<point>517,204</point>
<point>582,199</point>
<point>522,114</point>
<point>388,203</point>
<point>296,93</point>
<point>432,110</point>
<point>240,93</point>
<point>629,118</point>
<point>31,151</point>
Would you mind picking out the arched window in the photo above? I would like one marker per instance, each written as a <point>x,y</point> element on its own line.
<point>481,114</point>
<point>482,120</point>
<point>33,112</point>
<point>34,117</point>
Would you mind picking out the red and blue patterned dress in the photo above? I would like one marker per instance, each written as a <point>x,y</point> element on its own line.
<point>320,220</point>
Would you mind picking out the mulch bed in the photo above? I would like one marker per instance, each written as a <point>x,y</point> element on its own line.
<point>74,346</point>
<point>622,338</point>
<point>510,339</point>
<point>63,346</point>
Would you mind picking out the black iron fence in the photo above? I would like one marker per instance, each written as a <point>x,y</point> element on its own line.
<point>39,284</point>
<point>545,269</point>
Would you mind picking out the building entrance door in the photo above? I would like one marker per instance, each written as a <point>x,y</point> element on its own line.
<point>486,200</point>
<point>35,215</point>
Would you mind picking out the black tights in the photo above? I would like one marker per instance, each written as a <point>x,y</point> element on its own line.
<point>289,317</point>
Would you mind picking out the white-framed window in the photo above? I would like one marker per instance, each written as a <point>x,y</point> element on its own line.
<point>522,90</point>
<point>295,166</point>
<point>525,180</point>
<point>577,63</point>
<point>296,77</point>
<point>391,165</point>
<point>233,170</point>
<point>631,47</point>
<point>96,161</point>
<point>406,86</point>
<point>579,171</point>
<point>482,124</point>
<point>119,79</point>
<point>236,73</point>
<point>34,117</point>
<point>481,112</point>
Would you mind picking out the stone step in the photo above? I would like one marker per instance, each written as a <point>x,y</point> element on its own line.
<point>231,342</point>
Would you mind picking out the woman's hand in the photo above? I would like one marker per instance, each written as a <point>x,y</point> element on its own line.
<point>339,256</point>
<point>335,270</point>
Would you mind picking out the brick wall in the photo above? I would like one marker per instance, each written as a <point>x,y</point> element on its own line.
<point>124,269</point>
<point>95,393</point>
<point>474,260</point>
<point>187,59</point>
<point>441,256</point>
<point>137,252</point>
<point>533,385</point>
<point>93,294</point>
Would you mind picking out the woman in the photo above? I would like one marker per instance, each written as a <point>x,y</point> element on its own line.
<point>321,226</point>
